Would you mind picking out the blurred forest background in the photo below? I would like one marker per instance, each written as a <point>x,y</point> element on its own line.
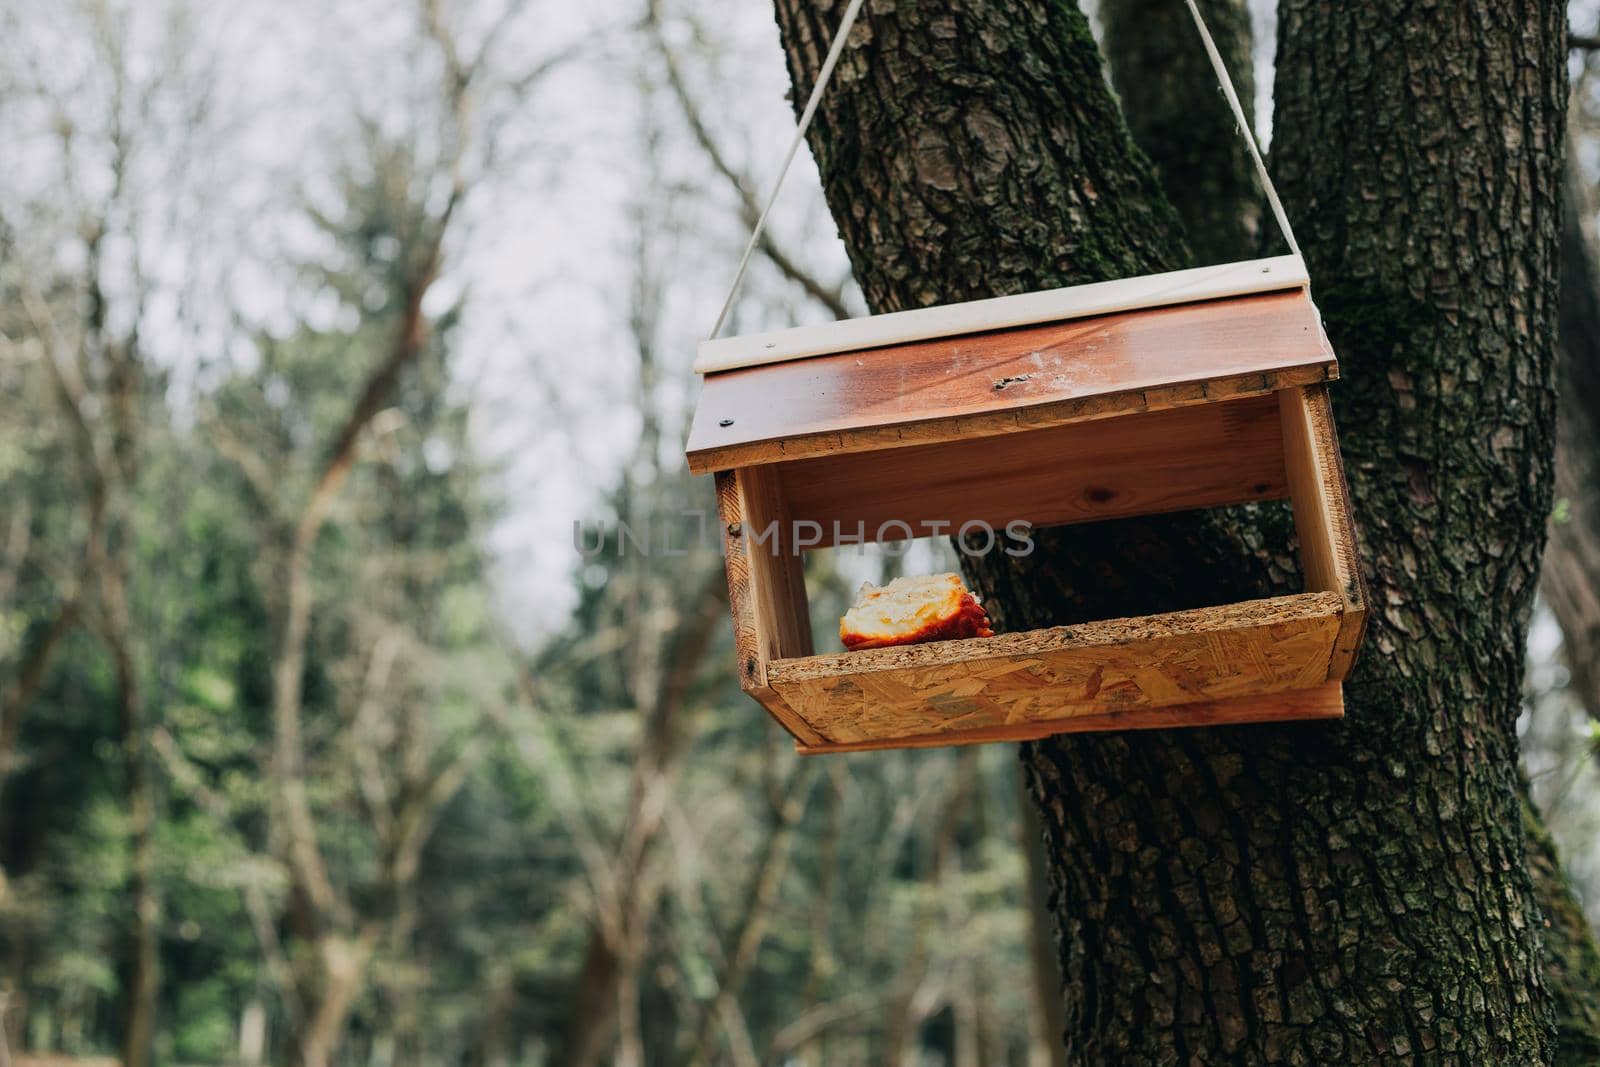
<point>324,736</point>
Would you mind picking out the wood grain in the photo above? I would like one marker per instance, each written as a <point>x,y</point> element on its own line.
<point>1203,456</point>
<point>1188,286</point>
<point>1325,701</point>
<point>766,582</point>
<point>805,738</point>
<point>950,688</point>
<point>1009,381</point>
<point>1321,502</point>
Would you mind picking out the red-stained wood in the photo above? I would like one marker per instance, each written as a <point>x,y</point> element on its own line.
<point>1009,381</point>
<point>1163,409</point>
<point>1208,455</point>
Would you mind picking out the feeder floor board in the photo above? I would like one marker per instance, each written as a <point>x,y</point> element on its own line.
<point>1006,381</point>
<point>965,689</point>
<point>1325,701</point>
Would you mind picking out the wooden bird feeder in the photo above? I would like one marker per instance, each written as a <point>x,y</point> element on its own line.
<point>1193,389</point>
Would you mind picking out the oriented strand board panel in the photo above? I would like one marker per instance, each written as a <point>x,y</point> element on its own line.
<point>1122,665</point>
<point>1208,455</point>
<point>1009,380</point>
<point>1325,701</point>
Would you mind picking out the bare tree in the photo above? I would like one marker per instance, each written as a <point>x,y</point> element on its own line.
<point>343,932</point>
<point>88,332</point>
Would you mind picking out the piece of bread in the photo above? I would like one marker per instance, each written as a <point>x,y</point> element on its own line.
<point>910,611</point>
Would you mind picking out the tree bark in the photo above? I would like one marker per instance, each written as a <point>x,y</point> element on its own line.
<point>1351,892</point>
<point>1572,962</point>
<point>1049,1021</point>
<point>1571,578</point>
<point>1179,117</point>
<point>1572,558</point>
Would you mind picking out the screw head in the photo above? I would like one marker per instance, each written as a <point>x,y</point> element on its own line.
<point>725,422</point>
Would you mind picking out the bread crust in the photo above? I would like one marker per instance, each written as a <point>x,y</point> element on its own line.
<point>913,611</point>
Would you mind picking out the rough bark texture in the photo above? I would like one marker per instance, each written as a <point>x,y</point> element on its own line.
<point>1572,559</point>
<point>972,149</point>
<point>1178,115</point>
<point>1572,962</point>
<point>1355,892</point>
<point>1571,579</point>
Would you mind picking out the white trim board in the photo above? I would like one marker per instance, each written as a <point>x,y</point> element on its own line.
<point>1003,312</point>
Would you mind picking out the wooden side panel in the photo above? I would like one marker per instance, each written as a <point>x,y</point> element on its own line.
<point>766,580</point>
<point>1157,661</point>
<point>1322,519</point>
<point>1008,381</point>
<point>1194,457</point>
<point>1325,701</point>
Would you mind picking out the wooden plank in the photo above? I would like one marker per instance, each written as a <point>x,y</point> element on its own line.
<point>1322,519</point>
<point>1325,701</point>
<point>766,580</point>
<point>1183,458</point>
<point>1155,661</point>
<point>805,738</point>
<point>1004,312</point>
<point>1008,381</point>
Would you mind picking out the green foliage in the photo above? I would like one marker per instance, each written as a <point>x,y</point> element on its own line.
<point>894,900</point>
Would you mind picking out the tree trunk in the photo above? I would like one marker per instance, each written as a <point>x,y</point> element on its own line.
<point>1179,117</point>
<point>1571,578</point>
<point>607,978</point>
<point>30,675</point>
<point>1049,1022</point>
<point>747,934</point>
<point>1572,962</point>
<point>342,974</point>
<point>139,1013</point>
<point>1338,893</point>
<point>1135,35</point>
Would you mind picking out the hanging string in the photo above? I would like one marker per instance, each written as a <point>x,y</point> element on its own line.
<point>823,75</point>
<point>826,73</point>
<point>1244,127</point>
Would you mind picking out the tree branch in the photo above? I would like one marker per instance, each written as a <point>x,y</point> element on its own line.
<point>749,208</point>
<point>188,777</point>
<point>751,928</point>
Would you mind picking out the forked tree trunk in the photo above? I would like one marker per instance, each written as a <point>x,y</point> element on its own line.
<point>1313,893</point>
<point>1178,116</point>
